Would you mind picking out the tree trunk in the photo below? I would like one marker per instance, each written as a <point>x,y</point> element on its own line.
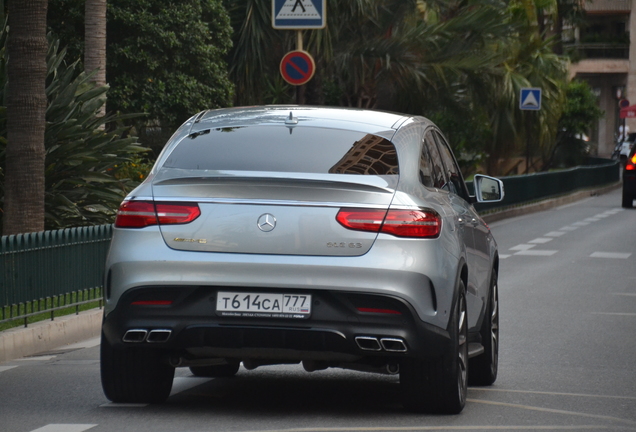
<point>26,111</point>
<point>95,42</point>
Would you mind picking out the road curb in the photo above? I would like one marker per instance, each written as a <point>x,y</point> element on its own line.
<point>549,203</point>
<point>47,335</point>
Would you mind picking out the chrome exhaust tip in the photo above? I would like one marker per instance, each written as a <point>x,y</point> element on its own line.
<point>158,335</point>
<point>368,343</point>
<point>393,345</point>
<point>135,336</point>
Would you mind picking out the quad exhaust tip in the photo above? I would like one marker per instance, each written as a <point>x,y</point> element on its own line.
<point>158,336</point>
<point>143,335</point>
<point>393,345</point>
<point>372,343</point>
<point>135,336</point>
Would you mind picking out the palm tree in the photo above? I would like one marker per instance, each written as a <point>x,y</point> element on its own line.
<point>529,61</point>
<point>26,109</point>
<point>373,53</point>
<point>95,43</point>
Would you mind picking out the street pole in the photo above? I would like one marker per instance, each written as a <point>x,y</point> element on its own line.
<point>300,90</point>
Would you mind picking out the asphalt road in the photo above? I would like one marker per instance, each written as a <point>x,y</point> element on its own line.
<point>568,356</point>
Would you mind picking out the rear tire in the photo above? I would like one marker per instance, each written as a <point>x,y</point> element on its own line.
<point>439,385</point>
<point>483,368</point>
<point>216,371</point>
<point>628,200</point>
<point>134,374</point>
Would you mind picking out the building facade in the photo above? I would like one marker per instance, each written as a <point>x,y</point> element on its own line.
<point>604,55</point>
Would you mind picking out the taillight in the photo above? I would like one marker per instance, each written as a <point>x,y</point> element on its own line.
<point>152,303</point>
<point>631,164</point>
<point>361,219</point>
<point>136,214</point>
<point>400,223</point>
<point>139,214</point>
<point>177,213</point>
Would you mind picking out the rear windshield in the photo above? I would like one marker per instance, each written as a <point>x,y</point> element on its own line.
<point>285,149</point>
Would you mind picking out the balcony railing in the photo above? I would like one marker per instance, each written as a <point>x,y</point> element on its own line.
<point>598,50</point>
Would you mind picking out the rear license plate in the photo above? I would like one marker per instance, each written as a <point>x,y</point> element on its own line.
<point>263,305</point>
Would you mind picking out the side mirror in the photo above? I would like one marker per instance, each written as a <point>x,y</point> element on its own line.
<point>488,189</point>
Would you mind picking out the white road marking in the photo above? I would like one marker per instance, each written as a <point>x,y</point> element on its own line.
<point>181,384</point>
<point>613,255</point>
<point>504,256</point>
<point>551,410</point>
<point>592,219</point>
<point>580,224</point>
<point>36,358</point>
<point>436,428</point>
<point>535,252</point>
<point>554,234</point>
<point>587,395</point>
<point>569,228</point>
<point>541,240</point>
<point>65,428</point>
<point>6,368</point>
<point>615,313</point>
<point>522,247</point>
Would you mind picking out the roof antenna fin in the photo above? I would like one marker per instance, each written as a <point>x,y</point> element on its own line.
<point>291,121</point>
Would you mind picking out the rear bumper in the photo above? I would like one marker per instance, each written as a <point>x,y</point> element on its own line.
<point>336,331</point>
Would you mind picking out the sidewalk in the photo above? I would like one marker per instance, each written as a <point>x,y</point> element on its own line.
<point>47,335</point>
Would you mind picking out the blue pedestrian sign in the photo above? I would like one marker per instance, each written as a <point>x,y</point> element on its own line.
<point>298,14</point>
<point>530,99</point>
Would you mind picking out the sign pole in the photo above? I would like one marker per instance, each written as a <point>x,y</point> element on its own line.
<point>298,67</point>
<point>300,90</point>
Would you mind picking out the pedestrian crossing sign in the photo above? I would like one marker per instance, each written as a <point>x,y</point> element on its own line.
<point>298,14</point>
<point>530,99</point>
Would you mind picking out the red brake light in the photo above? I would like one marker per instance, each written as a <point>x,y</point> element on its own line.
<point>136,214</point>
<point>400,223</point>
<point>631,164</point>
<point>139,214</point>
<point>361,219</point>
<point>152,303</point>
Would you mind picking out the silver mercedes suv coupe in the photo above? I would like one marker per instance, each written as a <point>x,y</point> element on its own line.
<point>323,236</point>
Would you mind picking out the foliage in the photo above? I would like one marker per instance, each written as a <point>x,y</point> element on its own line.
<point>164,58</point>
<point>580,114</point>
<point>80,152</point>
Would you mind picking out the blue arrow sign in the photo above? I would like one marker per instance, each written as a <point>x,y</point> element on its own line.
<point>530,99</point>
<point>298,14</point>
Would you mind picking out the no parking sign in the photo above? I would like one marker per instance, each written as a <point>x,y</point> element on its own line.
<point>297,67</point>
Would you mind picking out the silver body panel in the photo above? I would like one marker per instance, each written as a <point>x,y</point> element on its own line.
<point>225,248</point>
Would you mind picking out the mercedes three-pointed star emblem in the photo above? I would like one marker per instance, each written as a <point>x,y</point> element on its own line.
<point>266,222</point>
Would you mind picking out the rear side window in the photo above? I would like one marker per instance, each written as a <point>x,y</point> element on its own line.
<point>455,182</point>
<point>432,159</point>
<point>284,149</point>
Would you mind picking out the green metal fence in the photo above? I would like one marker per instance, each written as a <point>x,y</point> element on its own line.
<point>51,270</point>
<point>529,188</point>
